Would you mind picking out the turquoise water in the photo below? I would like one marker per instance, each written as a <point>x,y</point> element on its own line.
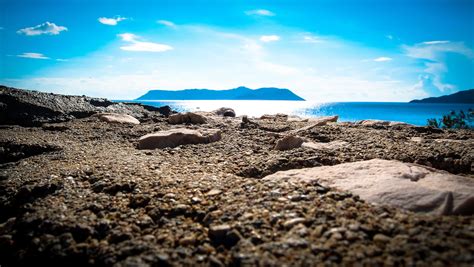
<point>412,113</point>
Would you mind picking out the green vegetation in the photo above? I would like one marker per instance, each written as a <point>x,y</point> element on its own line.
<point>454,120</point>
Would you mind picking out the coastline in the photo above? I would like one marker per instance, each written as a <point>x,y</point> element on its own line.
<point>80,191</point>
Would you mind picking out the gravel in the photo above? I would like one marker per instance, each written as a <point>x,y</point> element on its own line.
<point>93,198</point>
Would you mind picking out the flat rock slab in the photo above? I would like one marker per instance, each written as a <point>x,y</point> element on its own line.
<point>118,118</point>
<point>382,123</point>
<point>404,185</point>
<point>177,137</point>
<point>334,145</point>
<point>315,122</point>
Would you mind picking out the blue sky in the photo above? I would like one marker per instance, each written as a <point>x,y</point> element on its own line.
<point>322,50</point>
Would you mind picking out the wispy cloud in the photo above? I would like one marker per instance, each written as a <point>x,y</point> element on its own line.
<point>48,28</point>
<point>111,21</point>
<point>383,59</point>
<point>33,56</point>
<point>140,46</point>
<point>389,36</point>
<point>260,12</point>
<point>432,55</point>
<point>166,23</point>
<point>435,42</point>
<point>269,38</point>
<point>312,39</point>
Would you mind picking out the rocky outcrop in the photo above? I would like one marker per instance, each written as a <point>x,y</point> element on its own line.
<point>177,137</point>
<point>32,108</point>
<point>404,185</point>
<point>188,117</point>
<point>226,112</point>
<point>118,118</point>
<point>289,142</point>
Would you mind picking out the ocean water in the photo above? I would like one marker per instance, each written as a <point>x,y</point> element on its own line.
<point>413,113</point>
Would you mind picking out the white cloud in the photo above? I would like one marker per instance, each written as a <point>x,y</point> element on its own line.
<point>331,71</point>
<point>139,46</point>
<point>33,56</point>
<point>166,23</point>
<point>260,12</point>
<point>269,38</point>
<point>312,39</point>
<point>382,59</point>
<point>44,28</point>
<point>432,55</point>
<point>435,42</point>
<point>433,49</point>
<point>389,36</point>
<point>111,21</point>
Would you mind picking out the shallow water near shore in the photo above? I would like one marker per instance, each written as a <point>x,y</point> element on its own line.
<point>412,113</point>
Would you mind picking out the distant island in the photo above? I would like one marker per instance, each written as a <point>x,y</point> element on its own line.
<point>461,97</point>
<point>240,93</point>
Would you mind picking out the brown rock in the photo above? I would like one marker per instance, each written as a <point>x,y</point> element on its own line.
<point>188,117</point>
<point>176,137</point>
<point>289,142</point>
<point>118,118</point>
<point>226,112</point>
<point>405,185</point>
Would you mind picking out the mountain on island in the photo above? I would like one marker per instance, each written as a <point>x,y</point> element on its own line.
<point>240,93</point>
<point>461,97</point>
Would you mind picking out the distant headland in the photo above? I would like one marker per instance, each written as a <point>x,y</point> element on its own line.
<point>461,97</point>
<point>239,93</point>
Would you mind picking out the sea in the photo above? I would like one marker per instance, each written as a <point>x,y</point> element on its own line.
<point>412,113</point>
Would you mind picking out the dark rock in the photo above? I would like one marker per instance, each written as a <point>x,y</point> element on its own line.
<point>11,151</point>
<point>32,108</point>
<point>226,112</point>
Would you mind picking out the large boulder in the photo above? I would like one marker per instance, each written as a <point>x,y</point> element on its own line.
<point>226,112</point>
<point>404,185</point>
<point>118,118</point>
<point>188,117</point>
<point>289,142</point>
<point>176,137</point>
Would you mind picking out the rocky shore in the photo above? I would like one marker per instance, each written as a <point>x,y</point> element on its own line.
<point>82,184</point>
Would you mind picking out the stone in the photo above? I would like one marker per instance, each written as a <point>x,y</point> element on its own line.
<point>289,142</point>
<point>381,238</point>
<point>225,112</point>
<point>118,118</point>
<point>320,121</point>
<point>292,222</point>
<point>188,117</point>
<point>374,123</point>
<point>177,137</point>
<point>334,145</point>
<point>404,185</point>
<point>217,233</point>
<point>276,117</point>
<point>379,123</point>
<point>213,192</point>
<point>315,122</point>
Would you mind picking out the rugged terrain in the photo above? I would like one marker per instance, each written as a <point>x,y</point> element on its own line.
<point>81,192</point>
